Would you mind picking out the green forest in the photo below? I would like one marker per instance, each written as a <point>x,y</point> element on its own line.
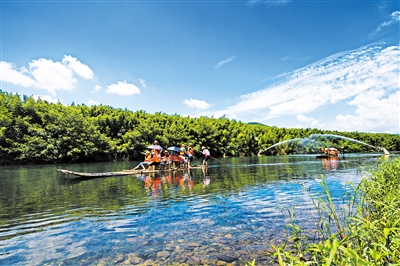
<point>36,131</point>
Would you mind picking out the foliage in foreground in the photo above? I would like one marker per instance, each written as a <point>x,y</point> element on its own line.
<point>35,131</point>
<point>368,234</point>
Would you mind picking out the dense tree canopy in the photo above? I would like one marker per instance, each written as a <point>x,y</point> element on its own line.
<point>35,131</point>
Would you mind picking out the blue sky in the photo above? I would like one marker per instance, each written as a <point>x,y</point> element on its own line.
<point>311,64</point>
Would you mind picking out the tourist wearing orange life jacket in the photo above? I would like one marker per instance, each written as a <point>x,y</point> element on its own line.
<point>156,159</point>
<point>176,159</point>
<point>147,160</point>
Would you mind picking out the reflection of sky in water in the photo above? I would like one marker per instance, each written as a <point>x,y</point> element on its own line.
<point>173,211</point>
<point>57,246</point>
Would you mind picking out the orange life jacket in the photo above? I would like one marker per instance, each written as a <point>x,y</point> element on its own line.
<point>157,157</point>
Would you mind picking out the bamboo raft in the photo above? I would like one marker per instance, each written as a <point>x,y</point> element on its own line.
<point>76,175</point>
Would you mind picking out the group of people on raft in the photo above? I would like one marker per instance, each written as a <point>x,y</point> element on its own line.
<point>332,152</point>
<point>158,158</point>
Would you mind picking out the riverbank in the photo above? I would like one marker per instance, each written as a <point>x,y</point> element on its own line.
<point>365,232</point>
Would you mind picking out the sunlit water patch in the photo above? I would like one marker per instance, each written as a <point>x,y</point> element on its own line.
<point>235,208</point>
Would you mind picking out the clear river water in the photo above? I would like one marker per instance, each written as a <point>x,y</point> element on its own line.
<point>229,212</point>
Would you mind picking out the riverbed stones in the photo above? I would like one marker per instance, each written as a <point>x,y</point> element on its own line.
<point>132,259</point>
<point>159,235</point>
<point>222,248</point>
<point>163,254</point>
<point>192,245</point>
<point>194,261</point>
<point>226,258</point>
<point>228,236</point>
<point>118,258</point>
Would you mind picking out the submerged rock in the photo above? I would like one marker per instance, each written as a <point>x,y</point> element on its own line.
<point>163,254</point>
<point>226,258</point>
<point>193,245</point>
<point>118,258</point>
<point>132,259</point>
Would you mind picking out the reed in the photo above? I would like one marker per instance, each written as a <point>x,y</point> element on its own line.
<point>365,232</point>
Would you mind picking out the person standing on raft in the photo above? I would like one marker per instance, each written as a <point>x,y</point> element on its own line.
<point>190,153</point>
<point>156,159</point>
<point>206,155</point>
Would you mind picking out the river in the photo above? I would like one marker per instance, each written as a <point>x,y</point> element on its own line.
<point>230,212</point>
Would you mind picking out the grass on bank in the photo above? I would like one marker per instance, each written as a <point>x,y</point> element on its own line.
<point>367,232</point>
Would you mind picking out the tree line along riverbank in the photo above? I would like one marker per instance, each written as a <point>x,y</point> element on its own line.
<point>367,232</point>
<point>36,131</point>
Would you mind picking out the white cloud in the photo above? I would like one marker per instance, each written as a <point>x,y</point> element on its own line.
<point>345,76</point>
<point>303,118</point>
<point>394,18</point>
<point>47,74</point>
<point>223,62</point>
<point>310,120</point>
<point>9,74</point>
<point>81,69</point>
<point>192,103</point>
<point>96,88</point>
<point>47,98</point>
<point>123,88</point>
<point>142,82</point>
<point>374,110</point>
<point>92,102</point>
<point>52,76</point>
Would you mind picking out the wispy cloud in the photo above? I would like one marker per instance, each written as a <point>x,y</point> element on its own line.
<point>394,18</point>
<point>142,82</point>
<point>269,2</point>
<point>223,62</point>
<point>368,78</point>
<point>192,103</point>
<point>46,74</point>
<point>292,58</point>
<point>123,88</point>
<point>96,88</point>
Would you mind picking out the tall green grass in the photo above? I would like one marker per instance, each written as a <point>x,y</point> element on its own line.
<point>365,232</point>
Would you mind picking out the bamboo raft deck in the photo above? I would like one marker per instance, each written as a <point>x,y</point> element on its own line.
<point>76,175</point>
